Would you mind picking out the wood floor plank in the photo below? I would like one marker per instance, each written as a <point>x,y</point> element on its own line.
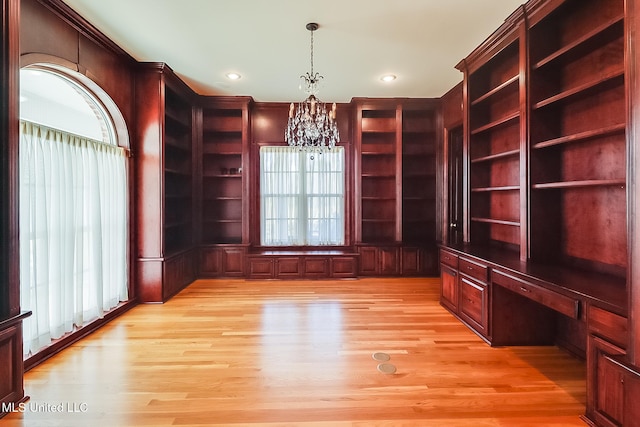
<point>299,353</point>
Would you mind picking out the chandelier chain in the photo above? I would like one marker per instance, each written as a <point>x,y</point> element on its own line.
<point>312,52</point>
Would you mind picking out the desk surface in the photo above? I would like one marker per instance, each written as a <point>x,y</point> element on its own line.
<point>605,290</point>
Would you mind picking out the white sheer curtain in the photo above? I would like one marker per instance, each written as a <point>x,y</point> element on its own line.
<point>301,199</point>
<point>73,231</point>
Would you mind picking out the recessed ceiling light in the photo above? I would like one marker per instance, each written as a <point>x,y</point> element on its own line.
<point>388,78</point>
<point>233,76</point>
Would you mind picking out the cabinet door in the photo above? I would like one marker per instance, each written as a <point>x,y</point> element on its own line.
<point>631,399</point>
<point>233,261</point>
<point>343,266</point>
<point>178,272</point>
<point>368,260</point>
<point>605,383</point>
<point>449,288</point>
<point>474,304</point>
<point>288,267</point>
<point>210,262</point>
<point>11,388</point>
<point>388,261</point>
<point>261,267</point>
<point>411,261</point>
<point>316,267</point>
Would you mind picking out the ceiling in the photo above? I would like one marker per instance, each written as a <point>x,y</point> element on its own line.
<point>266,42</point>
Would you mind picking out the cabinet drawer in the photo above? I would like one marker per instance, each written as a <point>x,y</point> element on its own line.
<point>558,302</point>
<point>474,303</point>
<point>473,269</point>
<point>608,325</point>
<point>449,258</point>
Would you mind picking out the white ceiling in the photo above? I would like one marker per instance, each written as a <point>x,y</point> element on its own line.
<point>420,41</point>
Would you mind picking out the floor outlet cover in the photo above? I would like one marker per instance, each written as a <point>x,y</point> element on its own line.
<point>381,357</point>
<point>387,368</point>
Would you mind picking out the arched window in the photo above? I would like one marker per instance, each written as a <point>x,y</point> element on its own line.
<point>73,205</point>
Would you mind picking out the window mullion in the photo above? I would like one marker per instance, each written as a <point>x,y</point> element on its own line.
<point>303,225</point>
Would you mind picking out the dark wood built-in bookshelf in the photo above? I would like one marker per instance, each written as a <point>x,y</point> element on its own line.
<point>396,143</point>
<point>178,173</point>
<point>494,131</point>
<point>224,185</point>
<point>578,111</point>
<point>548,155</point>
<point>420,126</point>
<point>165,178</point>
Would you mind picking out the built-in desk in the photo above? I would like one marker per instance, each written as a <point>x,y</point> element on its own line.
<point>510,302</point>
<point>521,301</point>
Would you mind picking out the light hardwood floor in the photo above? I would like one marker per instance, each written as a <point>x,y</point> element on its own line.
<point>299,353</point>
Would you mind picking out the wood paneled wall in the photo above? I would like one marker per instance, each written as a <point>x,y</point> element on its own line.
<point>56,31</point>
<point>57,35</point>
<point>452,107</point>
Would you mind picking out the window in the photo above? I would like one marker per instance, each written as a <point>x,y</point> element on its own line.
<point>73,207</point>
<point>301,198</point>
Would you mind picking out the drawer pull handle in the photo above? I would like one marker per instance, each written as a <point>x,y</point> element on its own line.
<point>523,289</point>
<point>469,268</point>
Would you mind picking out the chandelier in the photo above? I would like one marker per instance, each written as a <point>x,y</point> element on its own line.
<point>312,127</point>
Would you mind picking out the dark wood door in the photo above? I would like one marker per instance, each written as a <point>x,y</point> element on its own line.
<point>454,185</point>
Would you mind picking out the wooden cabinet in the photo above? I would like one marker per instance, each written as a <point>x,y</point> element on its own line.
<point>465,290</point>
<point>12,366</point>
<point>616,387</point>
<point>449,280</point>
<point>474,294</point>
<point>474,304</point>
<point>417,261</point>
<point>605,378</point>
<point>449,287</point>
<point>178,271</point>
<point>302,265</point>
<point>631,413</point>
<point>222,261</point>
<point>288,267</point>
<point>344,267</point>
<point>379,260</point>
<point>606,382</point>
<point>164,167</point>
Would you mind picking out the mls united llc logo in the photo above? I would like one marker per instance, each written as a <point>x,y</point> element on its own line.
<point>66,407</point>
